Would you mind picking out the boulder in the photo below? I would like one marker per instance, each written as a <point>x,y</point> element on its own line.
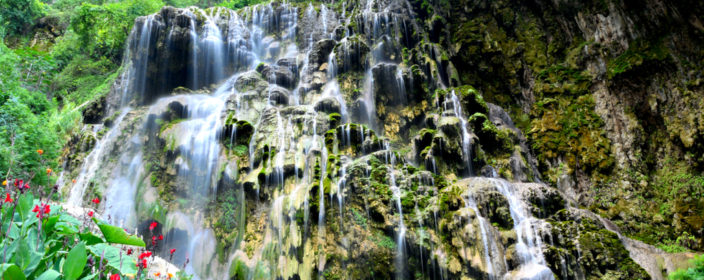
<point>278,95</point>
<point>321,51</point>
<point>328,105</point>
<point>278,75</point>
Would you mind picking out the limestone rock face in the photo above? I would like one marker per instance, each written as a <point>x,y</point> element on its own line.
<point>407,139</point>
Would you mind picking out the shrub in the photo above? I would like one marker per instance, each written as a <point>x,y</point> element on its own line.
<point>42,241</point>
<point>696,272</point>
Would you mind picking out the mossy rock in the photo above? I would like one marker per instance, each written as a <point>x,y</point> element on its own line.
<point>492,139</point>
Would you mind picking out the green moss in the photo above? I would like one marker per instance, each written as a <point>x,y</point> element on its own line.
<point>239,270</point>
<point>562,80</point>
<point>567,127</point>
<point>639,53</point>
<point>358,218</point>
<point>241,150</point>
<point>383,241</point>
<point>334,119</point>
<point>494,140</point>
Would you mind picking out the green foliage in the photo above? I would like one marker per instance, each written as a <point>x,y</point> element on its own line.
<point>639,53</point>
<point>118,235</point>
<point>18,15</point>
<point>84,79</point>
<point>103,29</point>
<point>28,122</point>
<point>358,218</point>
<point>241,150</point>
<point>75,261</point>
<point>566,127</point>
<point>42,241</point>
<point>11,271</point>
<point>696,272</point>
<point>233,4</point>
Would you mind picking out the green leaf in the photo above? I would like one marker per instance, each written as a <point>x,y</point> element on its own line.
<point>91,238</point>
<point>27,258</point>
<point>10,250</point>
<point>25,204</point>
<point>121,262</point>
<point>49,275</point>
<point>91,276</point>
<point>48,225</point>
<point>67,225</point>
<point>118,235</point>
<point>11,271</point>
<point>75,261</point>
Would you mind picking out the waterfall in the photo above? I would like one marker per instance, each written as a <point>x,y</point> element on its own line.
<point>466,141</point>
<point>529,243</point>
<point>493,257</point>
<point>400,261</point>
<point>93,160</point>
<point>234,66</point>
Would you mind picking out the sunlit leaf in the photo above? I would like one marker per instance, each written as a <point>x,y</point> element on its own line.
<point>118,235</point>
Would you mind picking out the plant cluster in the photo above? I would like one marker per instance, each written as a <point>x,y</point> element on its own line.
<point>41,240</point>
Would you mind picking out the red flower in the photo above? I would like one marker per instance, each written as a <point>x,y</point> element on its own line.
<point>41,210</point>
<point>115,277</point>
<point>144,263</point>
<point>172,251</point>
<point>40,152</point>
<point>129,251</point>
<point>90,213</point>
<point>96,200</point>
<point>152,226</point>
<point>8,198</point>
<point>145,255</point>
<point>161,237</point>
<point>26,185</point>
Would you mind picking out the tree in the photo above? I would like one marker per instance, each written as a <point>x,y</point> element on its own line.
<point>18,15</point>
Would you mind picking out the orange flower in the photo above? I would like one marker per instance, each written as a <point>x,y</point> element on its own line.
<point>170,275</point>
<point>40,152</point>
<point>73,181</point>
<point>157,274</point>
<point>48,171</point>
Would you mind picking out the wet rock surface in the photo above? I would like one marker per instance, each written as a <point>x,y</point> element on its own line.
<point>348,141</point>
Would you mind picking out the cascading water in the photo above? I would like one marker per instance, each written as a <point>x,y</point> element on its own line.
<point>261,65</point>
<point>528,247</point>
<point>93,160</point>
<point>466,141</point>
<point>400,261</point>
<point>493,257</point>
